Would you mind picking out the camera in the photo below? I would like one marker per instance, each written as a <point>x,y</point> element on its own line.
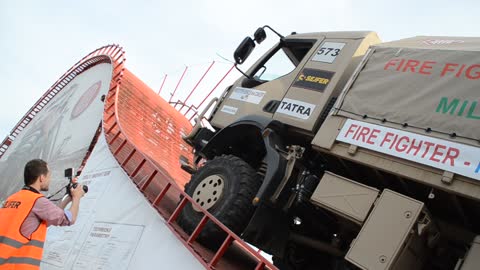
<point>69,173</point>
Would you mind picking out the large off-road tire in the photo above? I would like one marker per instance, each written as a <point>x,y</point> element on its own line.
<point>225,187</point>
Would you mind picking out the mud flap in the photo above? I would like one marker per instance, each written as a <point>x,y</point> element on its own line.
<point>276,165</point>
<point>268,230</point>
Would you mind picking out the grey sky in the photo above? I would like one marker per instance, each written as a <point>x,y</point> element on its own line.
<point>40,40</point>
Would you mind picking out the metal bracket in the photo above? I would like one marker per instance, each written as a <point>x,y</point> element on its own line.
<point>352,149</point>
<point>294,152</point>
<point>185,165</point>
<point>447,177</point>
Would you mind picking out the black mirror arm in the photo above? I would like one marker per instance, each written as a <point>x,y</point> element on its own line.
<point>278,34</point>
<point>243,73</point>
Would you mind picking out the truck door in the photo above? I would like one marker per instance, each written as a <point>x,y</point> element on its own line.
<point>272,75</point>
<point>317,84</point>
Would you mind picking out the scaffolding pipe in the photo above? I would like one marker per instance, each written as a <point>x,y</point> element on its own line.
<point>201,103</point>
<point>195,87</point>
<point>161,87</point>
<point>179,81</point>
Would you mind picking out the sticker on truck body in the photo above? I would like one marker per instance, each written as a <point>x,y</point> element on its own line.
<point>328,52</point>
<point>296,108</point>
<point>313,79</point>
<point>247,95</point>
<point>446,155</point>
<point>229,109</point>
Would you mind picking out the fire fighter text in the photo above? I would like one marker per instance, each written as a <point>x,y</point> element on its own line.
<point>423,67</point>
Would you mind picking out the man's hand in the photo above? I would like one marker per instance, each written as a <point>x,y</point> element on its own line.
<point>77,192</point>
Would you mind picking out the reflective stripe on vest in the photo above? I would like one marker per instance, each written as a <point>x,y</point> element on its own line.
<point>20,260</point>
<point>18,251</point>
<point>16,244</point>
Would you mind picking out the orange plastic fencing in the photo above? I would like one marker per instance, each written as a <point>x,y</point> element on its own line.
<point>153,126</point>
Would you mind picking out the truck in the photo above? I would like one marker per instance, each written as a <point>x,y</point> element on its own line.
<point>335,150</point>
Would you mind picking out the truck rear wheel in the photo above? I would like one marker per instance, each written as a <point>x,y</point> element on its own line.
<point>225,187</point>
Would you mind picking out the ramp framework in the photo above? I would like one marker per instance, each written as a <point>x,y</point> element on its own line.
<point>133,118</point>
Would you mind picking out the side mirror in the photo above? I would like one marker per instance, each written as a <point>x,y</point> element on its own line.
<point>243,50</point>
<point>260,35</point>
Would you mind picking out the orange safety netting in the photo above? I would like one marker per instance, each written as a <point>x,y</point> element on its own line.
<point>153,126</point>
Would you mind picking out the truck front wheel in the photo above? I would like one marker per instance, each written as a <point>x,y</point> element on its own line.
<point>225,187</point>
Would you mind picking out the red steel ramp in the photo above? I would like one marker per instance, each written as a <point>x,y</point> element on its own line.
<point>102,120</point>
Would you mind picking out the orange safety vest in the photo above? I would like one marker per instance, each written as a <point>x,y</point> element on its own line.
<point>16,250</point>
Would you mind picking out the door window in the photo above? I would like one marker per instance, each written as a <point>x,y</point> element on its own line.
<point>277,66</point>
<point>284,60</point>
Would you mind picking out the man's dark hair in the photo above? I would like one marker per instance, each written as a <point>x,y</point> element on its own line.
<point>33,169</point>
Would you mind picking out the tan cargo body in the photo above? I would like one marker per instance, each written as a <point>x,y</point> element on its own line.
<point>411,109</point>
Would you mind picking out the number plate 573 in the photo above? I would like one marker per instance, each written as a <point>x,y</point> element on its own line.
<point>328,52</point>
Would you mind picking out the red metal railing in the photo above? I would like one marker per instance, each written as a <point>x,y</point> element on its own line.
<point>208,95</point>
<point>191,110</point>
<point>178,84</point>
<point>196,85</point>
<point>163,83</point>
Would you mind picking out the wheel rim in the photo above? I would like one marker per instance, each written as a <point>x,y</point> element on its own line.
<point>208,192</point>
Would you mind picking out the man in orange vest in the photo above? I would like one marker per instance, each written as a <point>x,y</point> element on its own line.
<point>25,216</point>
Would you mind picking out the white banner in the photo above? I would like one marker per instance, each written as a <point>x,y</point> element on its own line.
<point>108,246</point>
<point>449,156</point>
<point>60,133</point>
<point>112,232</point>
